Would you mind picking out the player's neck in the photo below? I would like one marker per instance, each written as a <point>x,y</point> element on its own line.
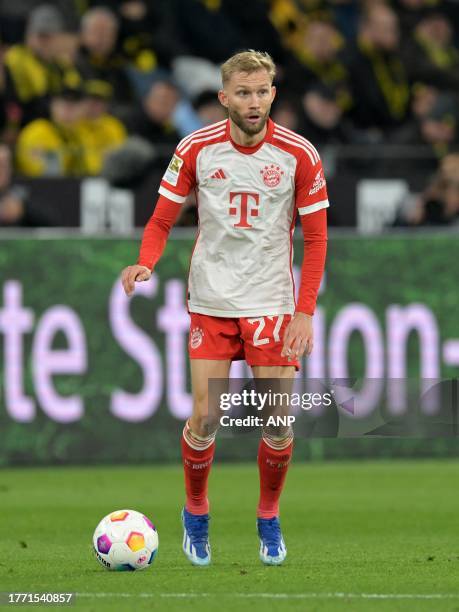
<point>245,140</point>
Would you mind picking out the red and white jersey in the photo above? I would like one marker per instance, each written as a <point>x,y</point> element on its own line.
<point>247,201</point>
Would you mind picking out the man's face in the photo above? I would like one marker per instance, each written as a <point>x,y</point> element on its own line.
<point>99,35</point>
<point>43,45</point>
<point>437,29</point>
<point>248,98</point>
<point>65,112</point>
<point>384,28</point>
<point>160,102</point>
<point>437,131</point>
<point>323,112</point>
<point>93,107</point>
<point>321,39</point>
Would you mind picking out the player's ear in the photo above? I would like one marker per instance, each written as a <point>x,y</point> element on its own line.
<point>273,92</point>
<point>223,98</point>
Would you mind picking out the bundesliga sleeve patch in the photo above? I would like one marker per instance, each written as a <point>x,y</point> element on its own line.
<point>171,175</point>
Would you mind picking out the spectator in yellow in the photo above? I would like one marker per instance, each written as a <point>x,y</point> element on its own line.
<point>52,147</point>
<point>36,69</point>
<point>99,131</point>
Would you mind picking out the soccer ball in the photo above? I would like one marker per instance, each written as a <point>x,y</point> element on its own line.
<point>125,540</point>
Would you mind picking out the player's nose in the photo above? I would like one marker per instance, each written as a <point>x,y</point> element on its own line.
<point>254,102</point>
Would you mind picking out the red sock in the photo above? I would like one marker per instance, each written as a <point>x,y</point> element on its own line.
<point>196,465</point>
<point>272,466</point>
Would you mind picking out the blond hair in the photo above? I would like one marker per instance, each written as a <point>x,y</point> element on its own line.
<point>248,61</point>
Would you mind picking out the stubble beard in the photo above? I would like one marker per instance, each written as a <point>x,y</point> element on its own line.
<point>247,128</point>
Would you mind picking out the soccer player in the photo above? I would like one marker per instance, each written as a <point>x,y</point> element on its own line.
<point>251,177</point>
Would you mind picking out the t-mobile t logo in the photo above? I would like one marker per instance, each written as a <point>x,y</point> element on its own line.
<point>244,205</point>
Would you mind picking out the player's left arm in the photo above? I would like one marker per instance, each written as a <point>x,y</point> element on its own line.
<point>312,202</point>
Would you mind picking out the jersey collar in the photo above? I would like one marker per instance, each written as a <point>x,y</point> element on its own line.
<point>254,149</point>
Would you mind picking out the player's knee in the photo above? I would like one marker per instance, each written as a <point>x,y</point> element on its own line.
<point>203,424</point>
<point>278,433</point>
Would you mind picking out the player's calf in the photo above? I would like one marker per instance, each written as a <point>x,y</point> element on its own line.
<point>274,455</point>
<point>197,453</point>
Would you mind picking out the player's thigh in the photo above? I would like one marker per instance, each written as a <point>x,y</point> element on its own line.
<point>209,377</point>
<point>276,382</point>
<point>284,372</point>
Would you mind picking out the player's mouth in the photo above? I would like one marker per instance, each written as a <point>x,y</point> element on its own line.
<point>253,118</point>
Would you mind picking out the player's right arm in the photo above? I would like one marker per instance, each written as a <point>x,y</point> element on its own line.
<point>154,241</point>
<point>176,183</point>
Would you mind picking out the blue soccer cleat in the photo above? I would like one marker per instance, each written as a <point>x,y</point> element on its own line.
<point>272,545</point>
<point>196,544</point>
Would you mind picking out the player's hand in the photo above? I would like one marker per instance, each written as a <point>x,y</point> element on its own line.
<point>298,337</point>
<point>132,275</point>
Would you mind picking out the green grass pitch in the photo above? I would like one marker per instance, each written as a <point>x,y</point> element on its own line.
<point>360,536</point>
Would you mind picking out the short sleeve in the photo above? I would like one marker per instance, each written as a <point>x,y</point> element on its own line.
<point>179,178</point>
<point>310,186</point>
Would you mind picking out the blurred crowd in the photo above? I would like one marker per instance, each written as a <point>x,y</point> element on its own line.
<point>90,88</point>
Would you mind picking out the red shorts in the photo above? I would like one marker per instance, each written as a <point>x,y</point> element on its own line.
<point>258,340</point>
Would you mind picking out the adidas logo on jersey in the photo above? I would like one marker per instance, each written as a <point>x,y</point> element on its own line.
<point>219,174</point>
<point>319,182</point>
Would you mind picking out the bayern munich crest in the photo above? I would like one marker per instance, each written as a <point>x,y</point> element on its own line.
<point>271,175</point>
<point>196,337</point>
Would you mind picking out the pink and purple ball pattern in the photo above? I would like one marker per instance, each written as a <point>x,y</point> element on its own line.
<point>149,523</point>
<point>103,544</point>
